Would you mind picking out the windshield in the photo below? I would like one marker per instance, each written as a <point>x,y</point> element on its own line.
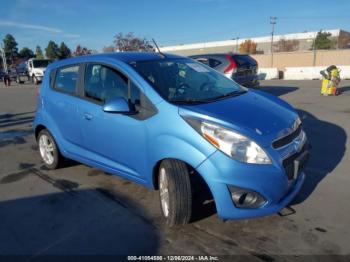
<point>41,63</point>
<point>186,81</point>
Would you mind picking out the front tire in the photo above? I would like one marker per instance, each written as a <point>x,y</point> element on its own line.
<point>49,151</point>
<point>175,192</point>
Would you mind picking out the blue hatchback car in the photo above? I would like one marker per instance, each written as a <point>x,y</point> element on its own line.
<point>162,120</point>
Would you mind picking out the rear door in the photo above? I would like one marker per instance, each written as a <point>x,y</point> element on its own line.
<point>61,104</point>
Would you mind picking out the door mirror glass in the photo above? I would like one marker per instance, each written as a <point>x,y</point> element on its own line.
<point>117,105</point>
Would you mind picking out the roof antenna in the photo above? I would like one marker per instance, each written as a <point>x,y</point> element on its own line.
<point>161,54</point>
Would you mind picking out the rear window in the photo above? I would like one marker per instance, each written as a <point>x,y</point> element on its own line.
<point>213,62</point>
<point>66,79</point>
<point>244,60</point>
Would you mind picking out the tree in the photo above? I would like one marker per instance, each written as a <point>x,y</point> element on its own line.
<point>129,42</point>
<point>343,40</point>
<point>52,51</point>
<point>26,53</point>
<point>79,51</point>
<point>10,48</point>
<point>64,51</point>
<point>108,49</point>
<point>322,41</point>
<point>39,53</point>
<point>284,45</point>
<point>248,47</point>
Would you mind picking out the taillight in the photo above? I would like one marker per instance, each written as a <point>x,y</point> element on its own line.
<point>232,67</point>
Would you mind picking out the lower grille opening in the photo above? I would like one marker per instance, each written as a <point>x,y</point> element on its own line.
<point>289,163</point>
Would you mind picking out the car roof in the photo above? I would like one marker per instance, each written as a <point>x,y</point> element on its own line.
<point>217,54</point>
<point>126,57</point>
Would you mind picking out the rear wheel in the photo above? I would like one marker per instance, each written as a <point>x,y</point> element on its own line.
<point>48,150</point>
<point>175,192</point>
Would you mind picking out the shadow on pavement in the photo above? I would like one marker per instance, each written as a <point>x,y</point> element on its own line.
<point>9,120</point>
<point>328,143</point>
<point>278,90</point>
<point>343,89</point>
<point>74,222</point>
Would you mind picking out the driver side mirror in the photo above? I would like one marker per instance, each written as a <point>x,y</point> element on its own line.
<point>118,106</point>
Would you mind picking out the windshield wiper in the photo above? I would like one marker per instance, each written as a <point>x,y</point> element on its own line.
<point>230,94</point>
<point>188,101</point>
<point>207,100</point>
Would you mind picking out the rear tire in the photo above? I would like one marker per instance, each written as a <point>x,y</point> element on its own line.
<point>175,192</point>
<point>49,151</point>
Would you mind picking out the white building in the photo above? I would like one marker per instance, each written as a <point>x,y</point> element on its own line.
<point>340,37</point>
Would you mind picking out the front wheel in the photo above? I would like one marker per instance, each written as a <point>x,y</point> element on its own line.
<point>175,192</point>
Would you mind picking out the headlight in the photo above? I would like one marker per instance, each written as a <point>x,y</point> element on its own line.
<point>231,143</point>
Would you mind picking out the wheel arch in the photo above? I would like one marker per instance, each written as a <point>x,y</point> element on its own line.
<point>194,174</point>
<point>37,130</point>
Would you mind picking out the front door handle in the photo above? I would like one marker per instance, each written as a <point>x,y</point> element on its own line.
<point>87,116</point>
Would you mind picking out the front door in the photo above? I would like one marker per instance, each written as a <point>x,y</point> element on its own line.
<point>116,141</point>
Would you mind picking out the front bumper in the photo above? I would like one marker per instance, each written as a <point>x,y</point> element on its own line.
<point>270,181</point>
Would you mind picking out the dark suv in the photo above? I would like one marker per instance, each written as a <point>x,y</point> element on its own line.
<point>241,68</point>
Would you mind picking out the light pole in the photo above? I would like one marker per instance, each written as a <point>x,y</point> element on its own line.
<point>272,22</point>
<point>314,49</point>
<point>237,44</point>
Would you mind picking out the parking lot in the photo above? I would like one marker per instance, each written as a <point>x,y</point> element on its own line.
<point>81,210</point>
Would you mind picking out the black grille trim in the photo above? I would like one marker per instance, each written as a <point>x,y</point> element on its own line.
<point>287,139</point>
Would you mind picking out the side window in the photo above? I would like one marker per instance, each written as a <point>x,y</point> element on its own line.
<point>66,79</point>
<point>103,83</point>
<point>213,62</point>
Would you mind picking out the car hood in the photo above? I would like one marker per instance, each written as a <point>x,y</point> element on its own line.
<point>256,114</point>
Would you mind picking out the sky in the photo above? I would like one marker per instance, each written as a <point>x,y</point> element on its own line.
<point>94,23</point>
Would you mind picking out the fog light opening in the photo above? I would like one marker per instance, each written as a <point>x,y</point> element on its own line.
<point>246,199</point>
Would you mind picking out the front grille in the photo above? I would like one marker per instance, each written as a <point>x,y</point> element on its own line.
<point>288,163</point>
<point>286,139</point>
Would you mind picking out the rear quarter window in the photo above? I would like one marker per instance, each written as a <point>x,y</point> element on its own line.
<point>66,79</point>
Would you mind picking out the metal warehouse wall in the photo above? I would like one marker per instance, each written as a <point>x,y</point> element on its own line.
<point>299,59</point>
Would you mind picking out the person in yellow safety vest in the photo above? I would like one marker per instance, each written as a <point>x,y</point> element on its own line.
<point>330,81</point>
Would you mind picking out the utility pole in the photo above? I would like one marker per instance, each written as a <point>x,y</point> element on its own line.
<point>272,22</point>
<point>314,49</point>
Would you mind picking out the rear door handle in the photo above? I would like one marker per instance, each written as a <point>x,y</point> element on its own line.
<point>87,116</point>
